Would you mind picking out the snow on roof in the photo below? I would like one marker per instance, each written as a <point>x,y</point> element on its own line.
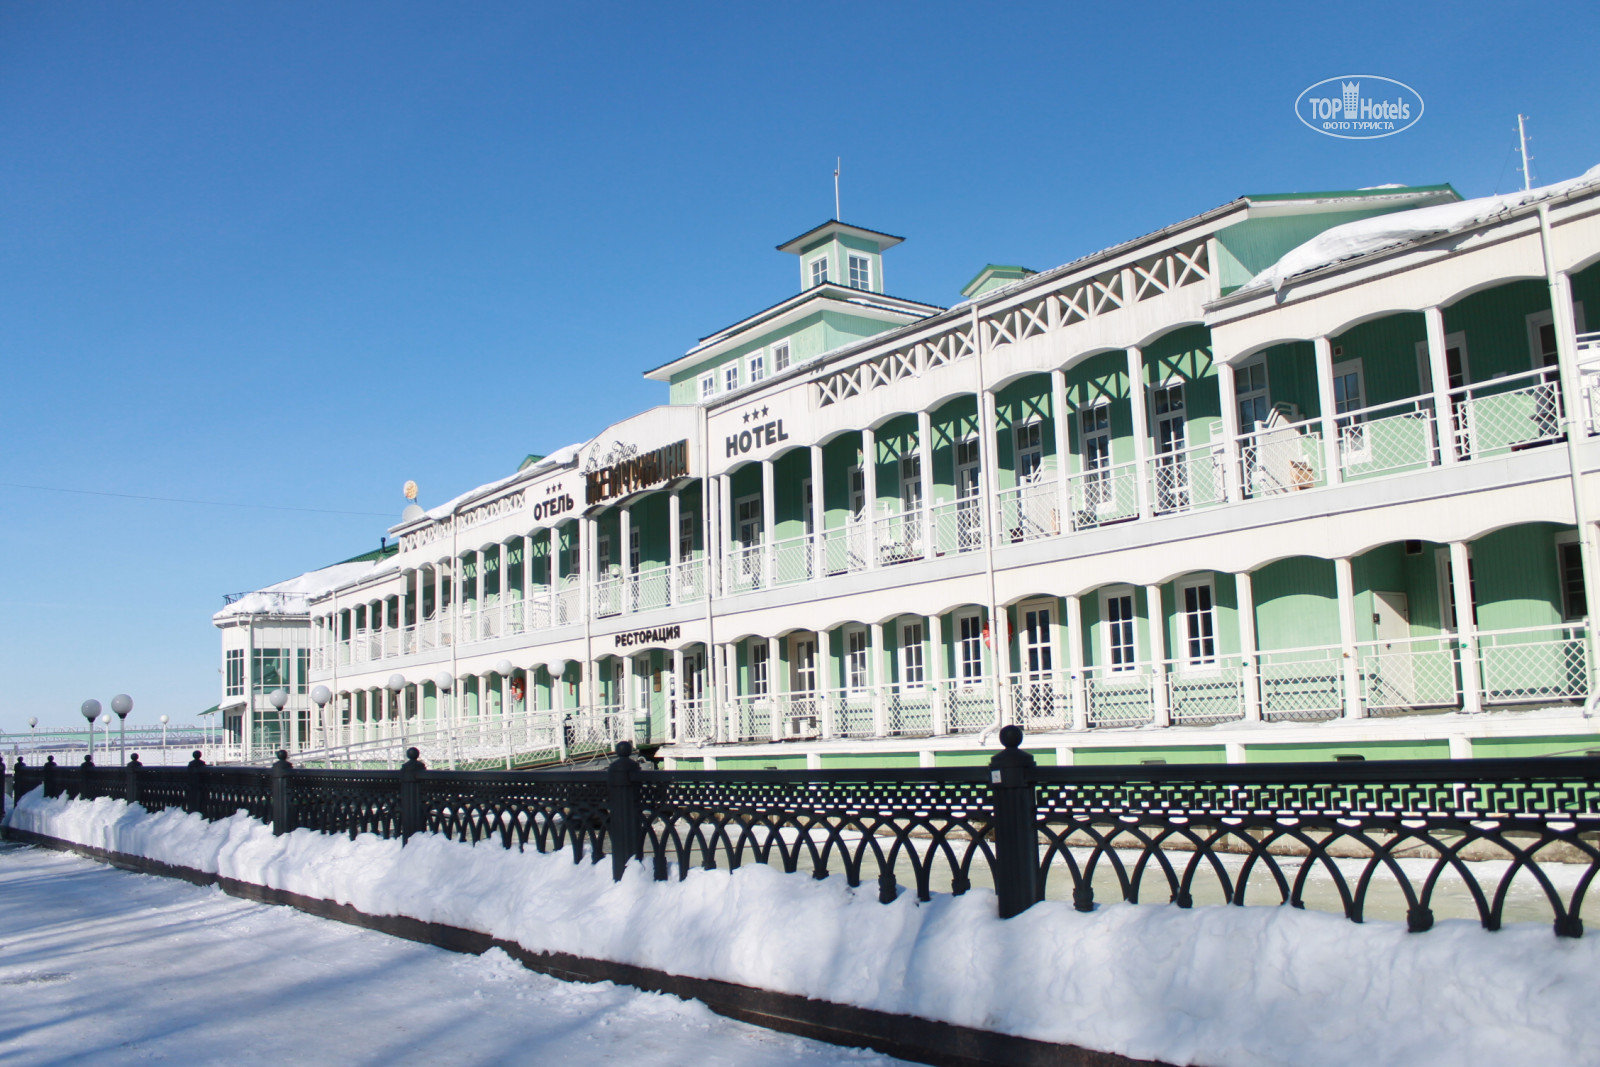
<point>1365,236</point>
<point>561,457</point>
<point>293,597</point>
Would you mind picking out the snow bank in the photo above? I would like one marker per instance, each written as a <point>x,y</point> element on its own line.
<point>1402,227</point>
<point>1222,986</point>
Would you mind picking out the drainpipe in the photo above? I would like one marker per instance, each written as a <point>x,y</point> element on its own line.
<point>711,692</point>
<point>1567,369</point>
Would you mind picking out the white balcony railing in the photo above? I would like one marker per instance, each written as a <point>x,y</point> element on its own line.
<point>1281,459</point>
<point>1506,414</point>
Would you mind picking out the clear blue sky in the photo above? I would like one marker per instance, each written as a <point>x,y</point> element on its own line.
<point>294,254</point>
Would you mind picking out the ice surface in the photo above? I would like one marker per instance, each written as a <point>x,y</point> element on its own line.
<point>105,967</point>
<point>1225,986</point>
<point>1402,227</point>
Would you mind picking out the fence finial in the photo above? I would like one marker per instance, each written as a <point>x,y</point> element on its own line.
<point>133,760</point>
<point>88,761</point>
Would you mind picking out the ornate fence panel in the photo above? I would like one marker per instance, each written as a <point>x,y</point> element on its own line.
<point>1495,839</point>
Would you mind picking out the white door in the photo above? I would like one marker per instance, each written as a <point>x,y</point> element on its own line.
<point>1393,679</point>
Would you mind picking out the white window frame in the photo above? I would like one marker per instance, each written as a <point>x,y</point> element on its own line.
<point>857,660</point>
<point>806,503</point>
<point>708,385</point>
<point>1547,318</point>
<point>602,555</point>
<point>1108,644</point>
<point>730,377</point>
<point>803,671</point>
<point>1264,390</point>
<point>740,505</point>
<point>760,669</point>
<point>913,655</point>
<point>968,642</point>
<point>1449,619</point>
<point>851,259</point>
<point>1565,540</point>
<point>780,357</point>
<point>1354,442</point>
<point>1047,648</point>
<point>910,468</point>
<point>1031,428</point>
<point>686,528</point>
<point>1186,634</point>
<point>756,366</point>
<point>1456,340</point>
<point>812,272</point>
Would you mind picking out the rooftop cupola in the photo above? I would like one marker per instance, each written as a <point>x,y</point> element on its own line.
<point>842,254</point>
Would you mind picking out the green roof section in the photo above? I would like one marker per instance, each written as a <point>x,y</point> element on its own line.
<point>381,552</point>
<point>1351,194</point>
<point>992,276</point>
<point>530,461</point>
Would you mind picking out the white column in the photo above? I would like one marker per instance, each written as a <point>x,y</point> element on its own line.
<point>935,672</point>
<point>775,706</point>
<point>1227,386</point>
<point>587,561</point>
<point>480,604</point>
<point>554,551</point>
<point>925,479</point>
<point>869,486</point>
<point>988,467</point>
<point>527,572</point>
<point>1075,663</point>
<point>627,600</point>
<point>819,514</point>
<point>1141,429</point>
<point>725,536</point>
<point>1063,434</point>
<point>1156,618</point>
<point>1439,371</point>
<point>677,692</point>
<point>674,521</point>
<point>1345,588</point>
<point>769,522</point>
<point>878,679</point>
<point>825,682</point>
<point>1466,626</point>
<point>1322,348</point>
<point>403,604</point>
<point>1244,595</point>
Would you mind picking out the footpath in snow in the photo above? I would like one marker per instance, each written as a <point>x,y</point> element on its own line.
<point>101,966</point>
<point>1219,986</point>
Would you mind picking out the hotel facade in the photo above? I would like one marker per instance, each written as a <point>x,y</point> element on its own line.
<point>1306,476</point>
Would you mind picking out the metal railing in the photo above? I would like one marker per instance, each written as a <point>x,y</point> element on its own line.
<point>1388,439</point>
<point>1389,839</point>
<point>1281,459</point>
<point>1506,414</point>
<point>1188,479</point>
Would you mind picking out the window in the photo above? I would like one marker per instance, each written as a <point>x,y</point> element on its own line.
<point>913,674</point>
<point>708,386</point>
<point>819,270</point>
<point>855,660</point>
<point>1095,424</point>
<point>1171,474</point>
<point>634,542</point>
<point>1038,651</point>
<point>1030,452</point>
<point>1444,572</point>
<point>235,672</point>
<point>758,668</point>
<point>969,649</point>
<point>1349,394</point>
<point>1542,335</point>
<point>747,521</point>
<point>911,484</point>
<point>780,357</point>
<point>602,555</point>
<point>860,272</point>
<point>1250,390</point>
<point>807,504</point>
<point>271,669</point>
<point>1199,623</point>
<point>302,672</point>
<point>758,365</point>
<point>1569,558</point>
<point>1116,611</point>
<point>686,535</point>
<point>803,655</point>
<point>858,494</point>
<point>730,377</point>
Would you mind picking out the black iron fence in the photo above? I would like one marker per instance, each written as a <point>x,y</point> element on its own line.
<point>1500,840</point>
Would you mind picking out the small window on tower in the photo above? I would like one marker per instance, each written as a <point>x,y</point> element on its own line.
<point>730,377</point>
<point>780,357</point>
<point>758,365</point>
<point>708,386</point>
<point>860,272</point>
<point>819,270</point>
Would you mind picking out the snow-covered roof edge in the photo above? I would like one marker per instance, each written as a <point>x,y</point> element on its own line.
<point>1382,233</point>
<point>294,595</point>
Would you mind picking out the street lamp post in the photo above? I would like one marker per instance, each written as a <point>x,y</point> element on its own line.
<point>278,698</point>
<point>396,685</point>
<point>90,710</point>
<point>163,740</point>
<point>320,697</point>
<point>122,703</point>
<point>33,731</point>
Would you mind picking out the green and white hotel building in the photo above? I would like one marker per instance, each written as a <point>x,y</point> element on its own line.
<point>1307,476</point>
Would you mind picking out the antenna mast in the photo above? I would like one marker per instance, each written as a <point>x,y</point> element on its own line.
<point>1522,141</point>
<point>836,161</point>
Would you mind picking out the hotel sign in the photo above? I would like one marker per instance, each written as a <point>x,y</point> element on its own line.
<point>637,472</point>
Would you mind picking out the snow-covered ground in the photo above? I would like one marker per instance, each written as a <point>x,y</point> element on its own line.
<point>101,966</point>
<point>1221,986</point>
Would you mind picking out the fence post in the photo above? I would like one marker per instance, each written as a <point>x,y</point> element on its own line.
<point>1016,838</point>
<point>51,787</point>
<point>194,790</point>
<point>2,786</point>
<point>131,786</point>
<point>85,789</point>
<point>411,794</point>
<point>282,816</point>
<point>627,842</point>
<point>16,780</point>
